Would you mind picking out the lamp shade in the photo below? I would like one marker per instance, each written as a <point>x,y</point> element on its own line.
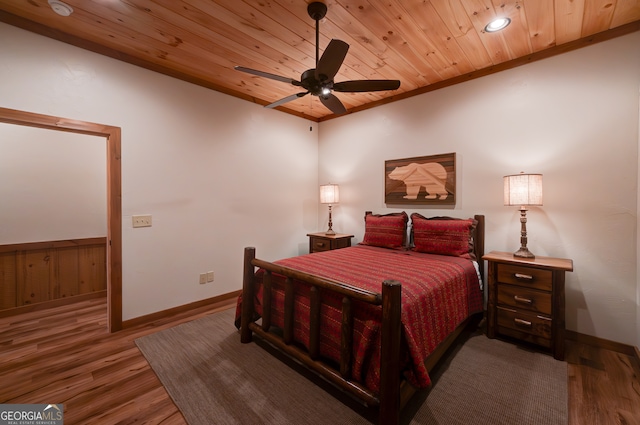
<point>329,194</point>
<point>523,189</point>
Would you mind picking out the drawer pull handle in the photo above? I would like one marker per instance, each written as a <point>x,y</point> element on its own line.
<point>522,322</point>
<point>522,300</point>
<point>523,276</point>
<point>320,244</point>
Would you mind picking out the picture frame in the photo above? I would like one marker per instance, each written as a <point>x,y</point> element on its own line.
<point>424,180</point>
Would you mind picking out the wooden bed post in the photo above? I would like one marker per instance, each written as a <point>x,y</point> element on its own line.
<point>248,295</point>
<point>478,242</point>
<point>390,353</point>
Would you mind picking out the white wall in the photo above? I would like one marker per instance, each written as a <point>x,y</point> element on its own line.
<point>53,185</point>
<point>216,173</point>
<point>573,118</point>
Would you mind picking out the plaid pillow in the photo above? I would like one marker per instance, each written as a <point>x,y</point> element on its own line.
<point>387,231</point>
<point>443,235</point>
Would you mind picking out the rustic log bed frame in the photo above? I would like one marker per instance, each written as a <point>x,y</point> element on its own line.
<point>394,392</point>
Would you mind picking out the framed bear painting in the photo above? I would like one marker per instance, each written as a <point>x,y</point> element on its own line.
<point>425,180</point>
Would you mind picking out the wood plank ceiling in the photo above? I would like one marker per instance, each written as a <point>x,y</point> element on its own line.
<point>426,44</point>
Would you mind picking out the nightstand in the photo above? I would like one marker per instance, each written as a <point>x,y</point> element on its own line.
<point>319,242</point>
<point>526,299</point>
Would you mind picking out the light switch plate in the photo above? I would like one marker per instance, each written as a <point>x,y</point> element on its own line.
<point>142,220</point>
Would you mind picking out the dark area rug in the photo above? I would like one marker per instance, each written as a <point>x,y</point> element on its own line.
<point>214,379</point>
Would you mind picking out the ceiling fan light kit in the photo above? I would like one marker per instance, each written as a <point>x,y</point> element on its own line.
<point>318,81</point>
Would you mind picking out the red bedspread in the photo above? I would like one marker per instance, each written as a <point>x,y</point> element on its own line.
<point>438,293</point>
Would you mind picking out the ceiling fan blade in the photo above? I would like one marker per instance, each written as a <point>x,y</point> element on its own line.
<point>286,99</point>
<point>333,103</point>
<point>366,85</point>
<point>331,60</point>
<point>268,75</point>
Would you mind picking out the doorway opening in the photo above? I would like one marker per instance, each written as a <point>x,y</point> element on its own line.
<point>114,194</point>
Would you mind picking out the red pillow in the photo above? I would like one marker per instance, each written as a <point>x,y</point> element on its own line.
<point>387,231</point>
<point>443,235</point>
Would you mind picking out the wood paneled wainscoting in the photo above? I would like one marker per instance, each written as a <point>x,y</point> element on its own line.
<point>43,273</point>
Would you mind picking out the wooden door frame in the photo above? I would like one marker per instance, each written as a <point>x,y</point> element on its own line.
<point>114,194</point>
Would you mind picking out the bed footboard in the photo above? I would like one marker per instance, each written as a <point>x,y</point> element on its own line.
<point>388,400</point>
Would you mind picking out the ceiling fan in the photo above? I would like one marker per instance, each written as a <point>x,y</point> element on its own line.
<point>318,81</point>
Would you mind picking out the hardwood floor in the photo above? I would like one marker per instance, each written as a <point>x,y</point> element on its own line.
<point>65,355</point>
<point>604,386</point>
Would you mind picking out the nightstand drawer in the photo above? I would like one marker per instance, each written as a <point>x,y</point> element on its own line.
<point>341,243</point>
<point>525,276</point>
<point>320,244</point>
<point>524,298</point>
<point>523,321</point>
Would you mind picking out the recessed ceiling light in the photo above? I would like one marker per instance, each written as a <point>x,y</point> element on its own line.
<point>60,8</point>
<point>497,24</point>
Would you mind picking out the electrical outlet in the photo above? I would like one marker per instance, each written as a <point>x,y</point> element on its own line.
<point>209,276</point>
<point>203,278</point>
<point>141,220</point>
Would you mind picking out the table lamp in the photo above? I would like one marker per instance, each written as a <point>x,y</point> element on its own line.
<point>329,194</point>
<point>523,190</point>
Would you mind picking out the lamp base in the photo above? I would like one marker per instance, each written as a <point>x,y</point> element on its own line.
<point>523,252</point>
<point>330,232</point>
